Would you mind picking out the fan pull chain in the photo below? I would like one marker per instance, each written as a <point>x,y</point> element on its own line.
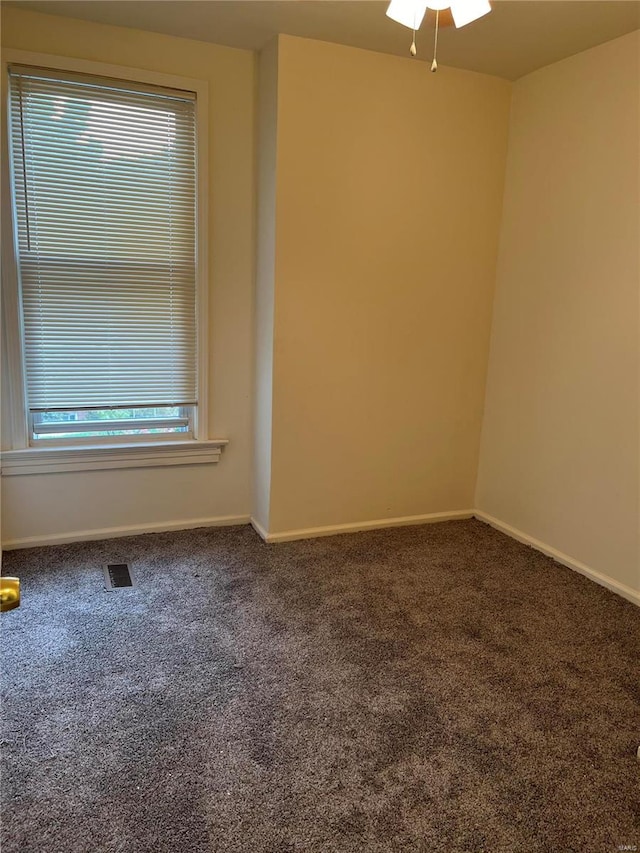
<point>412,49</point>
<point>434,64</point>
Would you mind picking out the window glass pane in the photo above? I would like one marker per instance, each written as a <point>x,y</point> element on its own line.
<point>111,422</point>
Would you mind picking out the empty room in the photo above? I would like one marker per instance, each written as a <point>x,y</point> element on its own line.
<point>320,426</point>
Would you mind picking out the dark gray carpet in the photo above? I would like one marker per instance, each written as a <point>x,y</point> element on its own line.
<point>438,688</point>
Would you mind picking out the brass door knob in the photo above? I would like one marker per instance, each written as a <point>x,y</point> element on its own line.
<point>9,593</point>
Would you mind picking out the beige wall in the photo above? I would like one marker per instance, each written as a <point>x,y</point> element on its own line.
<point>39,505</point>
<point>390,183</point>
<point>379,206</point>
<point>561,435</point>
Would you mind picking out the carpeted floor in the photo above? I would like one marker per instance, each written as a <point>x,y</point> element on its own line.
<point>437,688</point>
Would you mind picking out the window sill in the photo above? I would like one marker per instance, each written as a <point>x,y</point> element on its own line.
<point>53,460</point>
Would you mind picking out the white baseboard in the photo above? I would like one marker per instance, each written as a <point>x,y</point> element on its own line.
<point>330,530</point>
<point>356,526</point>
<point>118,532</point>
<point>259,529</point>
<point>604,580</point>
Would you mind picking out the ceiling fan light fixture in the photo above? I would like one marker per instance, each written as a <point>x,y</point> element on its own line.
<point>466,11</point>
<point>409,13</point>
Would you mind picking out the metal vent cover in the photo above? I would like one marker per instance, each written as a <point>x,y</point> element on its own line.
<point>118,576</point>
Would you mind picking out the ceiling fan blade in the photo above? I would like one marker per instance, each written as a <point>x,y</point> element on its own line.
<point>466,11</point>
<point>409,13</point>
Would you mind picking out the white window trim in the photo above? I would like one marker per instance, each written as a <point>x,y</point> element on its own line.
<point>52,460</point>
<point>21,458</point>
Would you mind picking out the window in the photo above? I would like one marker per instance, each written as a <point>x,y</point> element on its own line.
<point>104,191</point>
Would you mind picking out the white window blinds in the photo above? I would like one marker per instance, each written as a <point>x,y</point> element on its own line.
<point>104,187</point>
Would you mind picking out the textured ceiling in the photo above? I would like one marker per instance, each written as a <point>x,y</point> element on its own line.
<point>516,38</point>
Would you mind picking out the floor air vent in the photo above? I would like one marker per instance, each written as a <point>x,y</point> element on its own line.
<point>117,575</point>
